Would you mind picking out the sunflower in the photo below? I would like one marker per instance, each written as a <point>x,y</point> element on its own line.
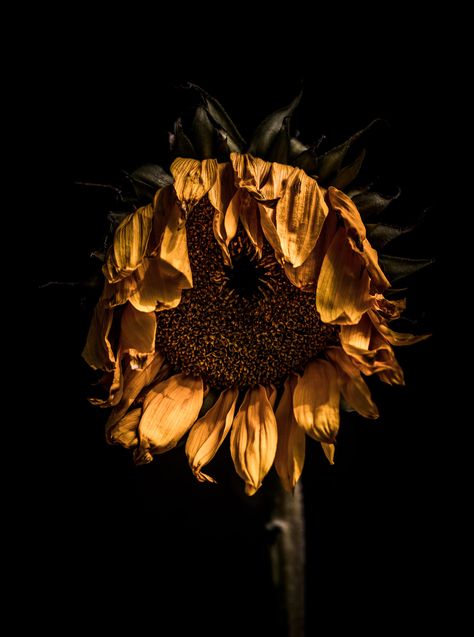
<point>244,299</point>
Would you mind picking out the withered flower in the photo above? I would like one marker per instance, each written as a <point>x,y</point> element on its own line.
<point>243,300</point>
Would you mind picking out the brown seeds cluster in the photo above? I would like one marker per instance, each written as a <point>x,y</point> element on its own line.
<point>244,327</point>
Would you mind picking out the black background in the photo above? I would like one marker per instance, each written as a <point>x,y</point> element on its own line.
<point>149,546</point>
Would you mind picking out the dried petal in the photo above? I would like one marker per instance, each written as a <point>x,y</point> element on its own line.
<point>98,352</point>
<point>170,409</point>
<point>226,215</point>
<point>290,453</point>
<point>137,335</point>
<point>209,432</point>
<point>192,180</point>
<point>125,432</point>
<point>316,401</point>
<point>253,438</point>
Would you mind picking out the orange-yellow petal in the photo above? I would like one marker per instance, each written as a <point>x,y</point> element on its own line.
<point>192,180</point>
<point>253,438</point>
<point>316,401</point>
<point>394,338</point>
<point>250,218</point>
<point>159,287</point>
<point>130,244</point>
<point>300,215</point>
<point>137,335</point>
<point>226,216</point>
<point>169,410</point>
<point>290,453</point>
<point>125,432</point>
<point>134,381</point>
<point>353,387</point>
<point>209,432</point>
<point>343,291</point>
<point>98,351</point>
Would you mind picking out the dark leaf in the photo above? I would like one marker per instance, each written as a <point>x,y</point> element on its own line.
<point>380,234</point>
<point>307,161</point>
<point>219,116</point>
<point>347,174</point>
<point>331,163</point>
<point>296,148</point>
<point>267,132</point>
<point>181,145</point>
<point>371,204</point>
<point>395,293</point>
<point>203,134</point>
<point>280,149</point>
<point>399,268</point>
<point>147,179</point>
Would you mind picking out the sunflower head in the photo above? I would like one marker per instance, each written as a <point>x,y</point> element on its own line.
<point>245,297</point>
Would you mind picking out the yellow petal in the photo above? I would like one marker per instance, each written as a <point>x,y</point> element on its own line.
<point>290,453</point>
<point>329,450</point>
<point>209,432</point>
<point>125,432</point>
<point>253,438</point>
<point>98,352</point>
<point>112,383</point>
<point>192,180</point>
<point>300,215</point>
<point>370,352</point>
<point>130,244</point>
<point>353,387</point>
<point>306,275</point>
<point>134,381</point>
<point>226,216</point>
<point>268,223</point>
<point>137,335</point>
<point>265,181</point>
<point>174,247</point>
<point>316,401</point>
<point>118,293</point>
<point>343,291</point>
<point>250,218</point>
<point>169,410</point>
<point>160,286</point>
<point>394,338</point>
<point>356,235</point>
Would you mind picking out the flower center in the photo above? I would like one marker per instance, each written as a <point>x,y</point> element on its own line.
<point>239,325</point>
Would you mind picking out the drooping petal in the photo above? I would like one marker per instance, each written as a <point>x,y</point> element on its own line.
<point>290,453</point>
<point>356,235</point>
<point>125,432</point>
<point>316,401</point>
<point>160,286</point>
<point>112,383</point>
<point>226,215</point>
<point>134,381</point>
<point>253,438</point>
<point>137,335</point>
<point>174,247</point>
<point>264,180</point>
<point>98,352</point>
<point>300,215</point>
<point>170,409</point>
<point>250,218</point>
<point>209,432</point>
<point>329,451</point>
<point>394,338</point>
<point>343,291</point>
<point>130,244</point>
<point>192,180</point>
<point>353,387</point>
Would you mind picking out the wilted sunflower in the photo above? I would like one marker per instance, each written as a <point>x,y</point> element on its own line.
<point>244,299</point>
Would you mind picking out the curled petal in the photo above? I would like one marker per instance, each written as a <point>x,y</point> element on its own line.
<point>169,411</point>
<point>353,387</point>
<point>316,401</point>
<point>250,218</point>
<point>343,291</point>
<point>173,248</point>
<point>300,215</point>
<point>159,287</point>
<point>192,180</point>
<point>394,338</point>
<point>134,381</point>
<point>265,181</point>
<point>209,432</point>
<point>112,383</point>
<point>125,432</point>
<point>130,244</point>
<point>290,453</point>
<point>137,335</point>
<point>253,438</point>
<point>98,352</point>
<point>226,216</point>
